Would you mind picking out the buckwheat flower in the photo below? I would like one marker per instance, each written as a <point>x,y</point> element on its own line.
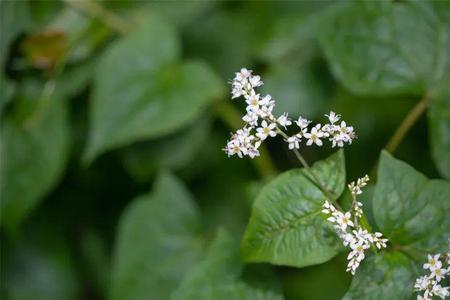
<point>284,121</point>
<point>422,283</point>
<point>253,103</point>
<point>356,256</point>
<point>377,240</point>
<point>251,118</point>
<point>333,117</point>
<point>314,136</point>
<point>255,81</point>
<point>294,142</point>
<point>266,130</point>
<point>433,262</point>
<point>344,220</point>
<point>441,292</point>
<point>302,123</point>
<point>438,273</point>
<point>243,74</point>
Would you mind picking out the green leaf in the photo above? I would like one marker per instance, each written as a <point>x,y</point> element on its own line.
<point>14,16</point>
<point>40,265</point>
<point>387,275</point>
<point>409,208</point>
<point>439,128</point>
<point>381,47</point>
<point>297,88</point>
<point>171,152</point>
<point>217,276</point>
<point>286,226</point>
<point>34,153</point>
<point>158,240</point>
<point>142,92</point>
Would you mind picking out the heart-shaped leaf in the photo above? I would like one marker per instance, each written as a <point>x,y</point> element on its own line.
<point>409,208</point>
<point>286,227</point>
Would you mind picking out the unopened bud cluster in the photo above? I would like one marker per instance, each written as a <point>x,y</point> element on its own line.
<point>348,228</point>
<point>260,123</point>
<point>430,285</point>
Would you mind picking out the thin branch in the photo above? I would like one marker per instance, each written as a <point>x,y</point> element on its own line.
<point>92,9</point>
<point>407,123</point>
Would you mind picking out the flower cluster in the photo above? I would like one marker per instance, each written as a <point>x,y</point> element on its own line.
<point>351,233</point>
<point>260,123</point>
<point>430,284</point>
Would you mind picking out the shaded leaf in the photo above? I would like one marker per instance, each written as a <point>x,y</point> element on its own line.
<point>157,242</point>
<point>142,92</point>
<point>380,47</point>
<point>297,89</point>
<point>40,266</point>
<point>439,128</point>
<point>217,276</point>
<point>34,153</point>
<point>387,275</point>
<point>409,208</point>
<point>171,152</point>
<point>286,226</point>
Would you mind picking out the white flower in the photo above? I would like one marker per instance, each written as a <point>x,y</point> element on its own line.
<point>430,283</point>
<point>284,121</point>
<point>243,74</point>
<point>302,123</point>
<point>255,81</point>
<point>422,283</point>
<point>253,103</point>
<point>440,291</point>
<point>344,220</point>
<point>293,142</point>
<point>333,117</point>
<point>266,130</point>
<point>438,273</point>
<point>314,136</point>
<point>433,262</point>
<point>251,118</point>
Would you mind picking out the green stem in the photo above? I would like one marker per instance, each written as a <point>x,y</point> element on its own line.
<point>410,119</point>
<point>92,9</point>
<point>231,116</point>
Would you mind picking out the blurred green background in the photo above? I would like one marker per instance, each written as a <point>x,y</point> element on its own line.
<point>99,97</point>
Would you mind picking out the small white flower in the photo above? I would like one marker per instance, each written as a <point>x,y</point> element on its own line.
<point>333,117</point>
<point>266,130</point>
<point>314,136</point>
<point>344,220</point>
<point>284,121</point>
<point>433,262</point>
<point>302,123</point>
<point>422,283</point>
<point>253,103</point>
<point>255,81</point>
<point>251,118</point>
<point>293,142</point>
<point>438,273</point>
<point>441,292</point>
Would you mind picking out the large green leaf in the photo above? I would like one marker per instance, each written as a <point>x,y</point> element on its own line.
<point>297,88</point>
<point>409,208</point>
<point>388,275</point>
<point>217,276</point>
<point>439,122</point>
<point>384,47</point>
<point>286,226</point>
<point>142,91</point>
<point>40,266</point>
<point>34,149</point>
<point>158,240</point>
<point>144,159</point>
